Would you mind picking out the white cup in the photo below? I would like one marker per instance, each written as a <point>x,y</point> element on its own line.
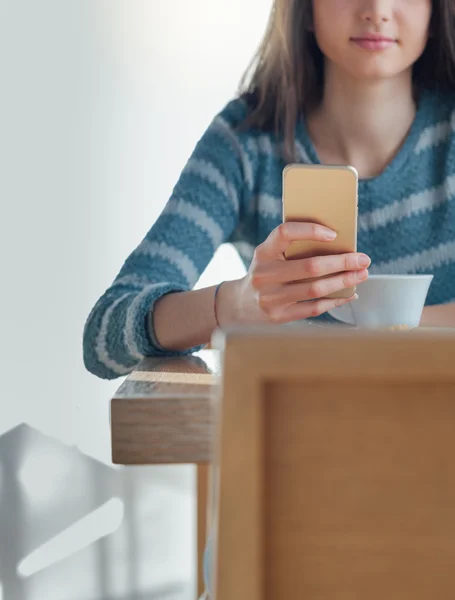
<point>386,301</point>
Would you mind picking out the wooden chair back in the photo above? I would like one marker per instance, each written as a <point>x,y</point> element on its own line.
<point>335,466</point>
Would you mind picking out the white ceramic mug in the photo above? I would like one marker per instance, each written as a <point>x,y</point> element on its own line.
<point>385,301</point>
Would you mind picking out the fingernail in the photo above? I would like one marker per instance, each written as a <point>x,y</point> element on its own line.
<point>355,297</point>
<point>329,234</point>
<point>364,260</point>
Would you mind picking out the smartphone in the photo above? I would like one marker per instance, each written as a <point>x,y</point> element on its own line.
<point>327,195</point>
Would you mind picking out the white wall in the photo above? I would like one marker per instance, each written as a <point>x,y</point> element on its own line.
<point>102,102</point>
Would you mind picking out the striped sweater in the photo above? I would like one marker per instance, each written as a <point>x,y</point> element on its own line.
<point>230,192</point>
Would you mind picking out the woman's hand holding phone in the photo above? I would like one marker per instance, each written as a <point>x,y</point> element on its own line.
<point>280,291</point>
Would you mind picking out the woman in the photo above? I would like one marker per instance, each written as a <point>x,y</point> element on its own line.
<point>363,82</point>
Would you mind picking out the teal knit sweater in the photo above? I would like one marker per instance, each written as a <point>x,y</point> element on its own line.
<point>230,192</point>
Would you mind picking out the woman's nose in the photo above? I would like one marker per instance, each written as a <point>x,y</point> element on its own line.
<point>377,12</point>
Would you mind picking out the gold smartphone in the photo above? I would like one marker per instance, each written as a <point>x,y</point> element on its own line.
<point>327,195</point>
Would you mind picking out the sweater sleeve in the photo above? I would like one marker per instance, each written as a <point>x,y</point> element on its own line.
<point>202,213</point>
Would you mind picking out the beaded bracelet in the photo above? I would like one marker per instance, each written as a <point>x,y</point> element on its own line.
<point>217,289</point>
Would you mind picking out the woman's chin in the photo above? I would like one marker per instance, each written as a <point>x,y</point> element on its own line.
<point>375,72</point>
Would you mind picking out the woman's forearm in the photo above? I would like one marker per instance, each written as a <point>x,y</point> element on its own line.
<point>186,319</point>
<point>441,315</point>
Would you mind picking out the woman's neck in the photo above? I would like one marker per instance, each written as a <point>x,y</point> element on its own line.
<point>362,124</point>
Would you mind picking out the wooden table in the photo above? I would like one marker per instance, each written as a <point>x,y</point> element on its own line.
<point>163,414</point>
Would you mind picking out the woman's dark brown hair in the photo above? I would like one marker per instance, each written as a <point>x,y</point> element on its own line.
<point>286,77</point>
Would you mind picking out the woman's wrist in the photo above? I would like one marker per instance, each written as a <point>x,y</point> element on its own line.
<point>226,305</point>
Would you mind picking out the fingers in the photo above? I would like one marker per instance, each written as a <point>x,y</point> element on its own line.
<point>281,238</point>
<point>320,288</point>
<point>308,268</point>
<point>270,299</point>
<point>307,310</point>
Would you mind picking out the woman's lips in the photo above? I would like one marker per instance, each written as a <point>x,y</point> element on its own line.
<point>374,43</point>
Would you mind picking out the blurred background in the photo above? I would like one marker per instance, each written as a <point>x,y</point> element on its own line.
<point>102,102</point>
